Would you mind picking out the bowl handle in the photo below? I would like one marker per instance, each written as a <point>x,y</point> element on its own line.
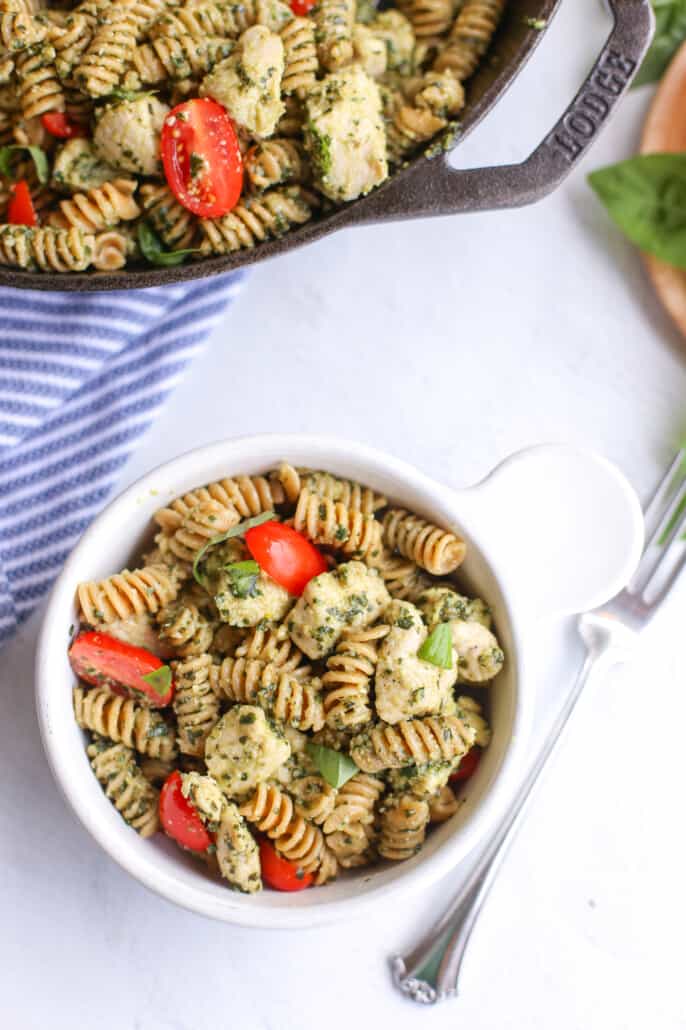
<point>447,191</point>
<point>562,527</point>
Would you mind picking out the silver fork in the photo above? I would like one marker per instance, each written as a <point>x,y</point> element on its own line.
<point>431,971</point>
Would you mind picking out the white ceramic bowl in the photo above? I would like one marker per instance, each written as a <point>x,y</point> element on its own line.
<point>552,530</point>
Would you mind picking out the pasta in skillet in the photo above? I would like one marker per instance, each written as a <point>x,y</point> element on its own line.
<point>263,690</point>
<point>306,105</point>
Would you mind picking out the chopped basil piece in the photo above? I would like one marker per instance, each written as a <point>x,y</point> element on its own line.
<point>335,767</point>
<point>237,530</point>
<point>160,680</point>
<point>438,647</point>
<point>154,252</point>
<point>243,578</point>
<point>38,156</point>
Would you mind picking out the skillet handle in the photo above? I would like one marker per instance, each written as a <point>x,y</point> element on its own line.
<point>442,190</point>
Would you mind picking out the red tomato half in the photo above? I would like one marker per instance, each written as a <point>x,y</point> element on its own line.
<point>103,660</point>
<point>467,766</point>
<point>201,157</point>
<point>20,210</point>
<point>57,124</point>
<point>179,818</point>
<point>302,7</point>
<point>285,555</point>
<point>279,873</point>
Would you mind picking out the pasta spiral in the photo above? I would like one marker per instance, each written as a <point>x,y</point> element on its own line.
<point>443,805</point>
<point>434,549</point>
<point>156,770</point>
<point>273,812</point>
<point>175,226</point>
<point>182,626</point>
<point>110,250</point>
<point>292,120</point>
<point>203,522</point>
<point>353,495</point>
<point>123,721</point>
<point>275,161</point>
<point>124,784</point>
<point>334,32</point>
<point>109,52</point>
<point>71,42</point>
<point>314,797</point>
<point>352,846</point>
<point>349,674</point>
<point>470,37</point>
<point>39,89</point>
<point>403,578</point>
<point>177,58</point>
<point>433,738</point>
<point>195,703</point>
<point>403,827</point>
<point>274,646</point>
<point>439,98</point>
<point>249,495</point>
<point>51,250</point>
<point>19,30</point>
<point>256,219</point>
<point>100,208</point>
<point>206,19</point>
<point>289,478</point>
<point>428,17</point>
<point>330,523</point>
<point>355,803</point>
<point>286,698</point>
<point>128,593</point>
<point>300,56</point>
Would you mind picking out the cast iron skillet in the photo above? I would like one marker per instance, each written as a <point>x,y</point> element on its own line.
<point>429,186</point>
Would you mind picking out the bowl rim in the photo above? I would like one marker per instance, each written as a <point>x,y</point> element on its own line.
<point>408,880</point>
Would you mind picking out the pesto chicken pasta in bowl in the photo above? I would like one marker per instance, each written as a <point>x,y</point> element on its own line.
<point>289,682</point>
<point>154,132</point>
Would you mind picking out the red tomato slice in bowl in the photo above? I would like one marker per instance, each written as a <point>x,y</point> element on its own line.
<point>201,157</point>
<point>58,125</point>
<point>279,873</point>
<point>20,210</point>
<point>467,766</point>
<point>285,555</point>
<point>102,660</point>
<point>179,818</point>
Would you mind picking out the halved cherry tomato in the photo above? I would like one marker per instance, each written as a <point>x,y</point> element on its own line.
<point>20,210</point>
<point>57,124</point>
<point>302,7</point>
<point>103,660</point>
<point>467,766</point>
<point>179,817</point>
<point>201,157</point>
<point>285,555</point>
<point>279,873</point>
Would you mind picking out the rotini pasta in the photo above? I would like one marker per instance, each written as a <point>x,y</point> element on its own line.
<point>470,37</point>
<point>175,226</point>
<point>255,219</point>
<point>101,208</point>
<point>110,250</point>
<point>48,249</point>
<point>124,722</point>
<point>124,784</point>
<point>39,88</point>
<point>274,162</point>
<point>327,722</point>
<point>334,32</point>
<point>300,57</point>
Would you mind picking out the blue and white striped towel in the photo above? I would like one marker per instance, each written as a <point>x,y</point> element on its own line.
<point>81,377</point>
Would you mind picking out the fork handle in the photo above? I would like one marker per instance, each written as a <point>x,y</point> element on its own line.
<point>448,938</point>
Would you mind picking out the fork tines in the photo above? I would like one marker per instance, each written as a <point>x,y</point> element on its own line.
<point>665,520</point>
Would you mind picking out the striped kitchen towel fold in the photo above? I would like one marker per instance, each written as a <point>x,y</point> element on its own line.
<point>82,376</point>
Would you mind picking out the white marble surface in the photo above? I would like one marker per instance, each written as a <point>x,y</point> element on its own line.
<point>450,343</point>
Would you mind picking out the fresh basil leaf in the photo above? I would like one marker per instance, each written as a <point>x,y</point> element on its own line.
<point>38,157</point>
<point>438,647</point>
<point>646,197</point>
<point>130,94</point>
<point>670,33</point>
<point>243,578</point>
<point>153,251</point>
<point>159,679</point>
<point>335,767</point>
<point>238,530</point>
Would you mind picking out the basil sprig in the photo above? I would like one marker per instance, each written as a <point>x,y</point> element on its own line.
<point>646,197</point>
<point>438,647</point>
<point>670,33</point>
<point>237,530</point>
<point>243,578</point>
<point>37,155</point>
<point>154,252</point>
<point>335,767</point>
<point>159,679</point>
